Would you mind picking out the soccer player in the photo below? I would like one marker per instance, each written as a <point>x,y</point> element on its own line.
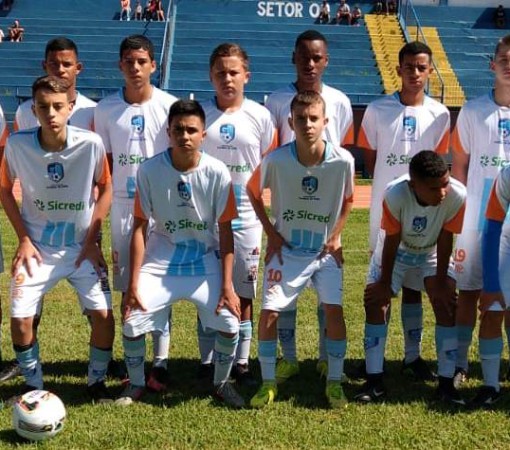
<point>394,128</point>
<point>311,183</point>
<point>310,58</point>
<point>481,145</point>
<point>189,253</point>
<point>58,167</point>
<point>495,296</point>
<point>132,123</point>
<point>239,131</point>
<point>421,212</point>
<point>61,60</point>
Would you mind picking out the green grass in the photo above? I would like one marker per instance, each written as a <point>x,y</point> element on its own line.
<point>186,417</point>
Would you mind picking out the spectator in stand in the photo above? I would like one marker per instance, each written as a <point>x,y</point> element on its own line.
<point>125,9</point>
<point>6,5</point>
<point>160,12</point>
<point>138,10</point>
<point>325,12</point>
<point>343,12</point>
<point>391,7</point>
<point>16,32</point>
<point>500,17</point>
<point>356,16</point>
<point>378,6</point>
<point>2,35</point>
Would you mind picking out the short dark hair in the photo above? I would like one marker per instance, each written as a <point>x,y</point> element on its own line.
<point>50,83</point>
<point>307,98</point>
<point>427,164</point>
<point>137,42</point>
<point>310,35</point>
<point>503,42</point>
<point>186,108</point>
<point>60,44</point>
<point>414,48</point>
<point>229,49</point>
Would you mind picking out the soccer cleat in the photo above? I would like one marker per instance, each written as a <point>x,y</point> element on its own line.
<point>9,371</point>
<point>242,374</point>
<point>206,372</point>
<point>459,377</point>
<point>26,388</point>
<point>265,395</point>
<point>418,370</point>
<point>285,370</point>
<point>158,379</point>
<point>130,395</point>
<point>99,393</point>
<point>227,394</point>
<point>372,390</point>
<point>448,394</point>
<point>485,398</point>
<point>335,395</point>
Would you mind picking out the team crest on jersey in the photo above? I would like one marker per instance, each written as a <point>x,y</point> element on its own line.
<point>409,126</point>
<point>184,190</point>
<point>419,224</point>
<point>56,172</point>
<point>309,185</point>
<point>138,124</point>
<point>504,129</point>
<point>227,132</point>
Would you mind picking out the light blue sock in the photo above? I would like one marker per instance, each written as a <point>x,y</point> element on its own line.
<point>161,345</point>
<point>98,364</point>
<point>206,340</point>
<point>375,342</point>
<point>134,355</point>
<point>490,356</point>
<point>287,334</point>
<point>243,347</point>
<point>321,316</point>
<point>336,355</point>
<point>446,349</point>
<point>267,359</point>
<point>412,324</point>
<point>30,366</point>
<point>224,349</point>
<point>465,336</point>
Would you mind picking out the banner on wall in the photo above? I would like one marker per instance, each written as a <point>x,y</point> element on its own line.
<point>288,9</point>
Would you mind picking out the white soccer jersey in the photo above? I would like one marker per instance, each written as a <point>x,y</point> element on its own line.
<point>132,133</point>
<point>397,132</point>
<point>82,115</point>
<point>239,139</point>
<point>483,133</point>
<point>340,128</point>
<point>4,132</point>
<point>498,204</point>
<point>185,208</point>
<point>306,202</point>
<point>419,226</point>
<point>57,187</point>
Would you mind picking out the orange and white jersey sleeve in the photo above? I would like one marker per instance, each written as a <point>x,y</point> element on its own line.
<point>306,202</point>
<point>57,187</point>
<point>240,139</point>
<point>185,209</point>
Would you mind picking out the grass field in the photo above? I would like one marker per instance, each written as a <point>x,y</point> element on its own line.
<point>186,417</point>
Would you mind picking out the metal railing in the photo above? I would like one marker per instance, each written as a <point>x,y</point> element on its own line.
<point>166,51</point>
<point>407,17</point>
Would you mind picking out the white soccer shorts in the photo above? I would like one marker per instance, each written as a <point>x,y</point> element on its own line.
<point>26,292</point>
<point>121,223</point>
<point>283,283</point>
<point>246,261</point>
<point>468,260</point>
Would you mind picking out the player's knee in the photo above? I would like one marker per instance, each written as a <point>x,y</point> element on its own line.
<point>444,316</point>
<point>375,314</point>
<point>410,296</point>
<point>333,312</point>
<point>490,324</point>
<point>226,335</point>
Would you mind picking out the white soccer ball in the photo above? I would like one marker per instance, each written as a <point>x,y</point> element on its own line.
<point>38,415</point>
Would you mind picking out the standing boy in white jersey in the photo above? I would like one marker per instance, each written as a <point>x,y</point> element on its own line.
<point>61,60</point>
<point>481,147</point>
<point>58,167</point>
<point>311,183</point>
<point>132,123</point>
<point>189,253</point>
<point>395,128</point>
<point>495,296</point>
<point>311,58</point>
<point>421,212</point>
<point>239,131</point>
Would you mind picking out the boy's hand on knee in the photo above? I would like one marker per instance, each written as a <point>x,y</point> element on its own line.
<point>230,300</point>
<point>378,293</point>
<point>335,250</point>
<point>23,257</point>
<point>275,243</point>
<point>130,301</point>
<point>93,253</point>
